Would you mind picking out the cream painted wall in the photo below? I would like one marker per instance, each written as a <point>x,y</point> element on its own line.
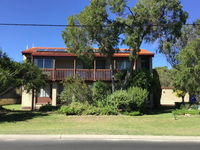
<point>54,93</point>
<point>26,99</point>
<point>169,98</point>
<point>8,101</point>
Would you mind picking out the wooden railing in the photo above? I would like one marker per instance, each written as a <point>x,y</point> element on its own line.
<point>85,74</point>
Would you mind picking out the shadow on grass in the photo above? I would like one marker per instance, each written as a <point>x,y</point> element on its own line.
<point>15,116</point>
<point>160,110</point>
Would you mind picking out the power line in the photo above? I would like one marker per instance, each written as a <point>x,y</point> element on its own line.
<point>40,25</point>
<point>61,25</point>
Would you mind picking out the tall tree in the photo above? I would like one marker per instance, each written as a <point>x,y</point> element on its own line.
<point>108,23</point>
<point>187,76</point>
<point>98,28</point>
<point>152,21</point>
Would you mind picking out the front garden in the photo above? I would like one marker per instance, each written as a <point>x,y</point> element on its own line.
<point>79,98</point>
<point>158,122</point>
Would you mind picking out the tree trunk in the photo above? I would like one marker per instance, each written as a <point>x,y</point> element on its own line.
<point>33,102</point>
<point>110,59</point>
<point>128,74</point>
<point>183,101</point>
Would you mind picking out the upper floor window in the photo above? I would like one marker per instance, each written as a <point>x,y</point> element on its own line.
<point>145,63</point>
<point>101,64</point>
<point>123,64</point>
<point>44,62</point>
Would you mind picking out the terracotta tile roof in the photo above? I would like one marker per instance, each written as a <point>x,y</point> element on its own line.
<point>33,51</point>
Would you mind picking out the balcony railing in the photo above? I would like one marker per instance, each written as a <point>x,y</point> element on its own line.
<point>85,74</point>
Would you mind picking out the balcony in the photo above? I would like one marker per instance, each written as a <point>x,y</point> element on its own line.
<point>85,74</point>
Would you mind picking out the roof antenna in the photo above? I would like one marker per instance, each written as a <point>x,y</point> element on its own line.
<point>33,45</point>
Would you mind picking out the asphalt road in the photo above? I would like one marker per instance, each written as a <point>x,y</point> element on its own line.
<point>96,145</point>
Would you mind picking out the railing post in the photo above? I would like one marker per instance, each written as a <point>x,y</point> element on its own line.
<point>115,67</point>
<point>54,69</point>
<point>150,64</point>
<point>94,70</point>
<point>74,67</point>
<point>135,65</point>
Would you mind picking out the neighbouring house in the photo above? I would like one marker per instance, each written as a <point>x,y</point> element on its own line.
<point>169,98</point>
<point>58,64</point>
<point>12,97</point>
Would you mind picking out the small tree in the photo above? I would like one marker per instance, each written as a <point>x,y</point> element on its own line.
<point>75,90</point>
<point>157,90</point>
<point>180,93</point>
<point>100,91</point>
<point>15,75</point>
<point>141,79</point>
<point>166,76</point>
<point>133,99</point>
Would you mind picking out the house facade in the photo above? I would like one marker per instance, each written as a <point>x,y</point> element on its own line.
<point>58,63</point>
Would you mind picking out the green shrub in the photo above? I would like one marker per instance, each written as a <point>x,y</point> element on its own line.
<point>48,107</point>
<point>66,110</point>
<point>186,111</point>
<point>93,110</point>
<point>194,106</point>
<point>134,98</point>
<point>75,90</point>
<point>185,106</point>
<point>100,90</point>
<point>120,77</point>
<point>119,100</point>
<point>142,79</point>
<point>75,108</point>
<point>108,110</point>
<point>157,91</point>
<point>133,113</point>
<point>137,98</point>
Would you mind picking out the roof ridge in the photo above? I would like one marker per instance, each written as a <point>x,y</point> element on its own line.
<point>34,50</point>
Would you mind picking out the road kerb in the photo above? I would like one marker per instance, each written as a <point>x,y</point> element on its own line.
<point>102,138</point>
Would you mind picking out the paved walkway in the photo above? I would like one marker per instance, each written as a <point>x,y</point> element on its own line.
<point>102,137</point>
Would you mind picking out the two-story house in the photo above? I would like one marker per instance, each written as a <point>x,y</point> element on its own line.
<point>58,64</point>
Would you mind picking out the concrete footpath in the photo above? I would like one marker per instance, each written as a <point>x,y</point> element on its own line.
<point>8,137</point>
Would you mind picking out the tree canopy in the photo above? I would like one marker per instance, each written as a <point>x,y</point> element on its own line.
<point>110,23</point>
<point>188,70</point>
<point>172,49</point>
<point>15,75</point>
<point>165,76</point>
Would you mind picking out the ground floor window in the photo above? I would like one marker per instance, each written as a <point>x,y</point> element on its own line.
<point>45,92</point>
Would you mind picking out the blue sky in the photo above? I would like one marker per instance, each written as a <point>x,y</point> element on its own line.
<point>15,39</point>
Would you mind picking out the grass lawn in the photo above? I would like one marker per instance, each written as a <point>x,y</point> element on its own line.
<point>13,107</point>
<point>51,123</point>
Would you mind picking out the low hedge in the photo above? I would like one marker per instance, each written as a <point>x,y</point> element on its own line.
<point>77,108</point>
<point>186,111</point>
<point>46,108</point>
<point>133,113</point>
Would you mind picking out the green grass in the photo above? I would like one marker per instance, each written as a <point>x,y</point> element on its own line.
<point>51,123</point>
<point>15,107</point>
